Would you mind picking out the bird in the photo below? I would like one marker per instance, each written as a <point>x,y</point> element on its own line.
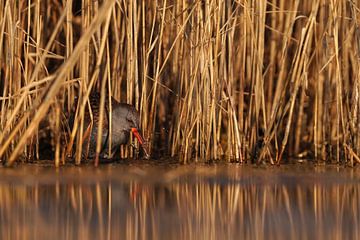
<point>124,119</point>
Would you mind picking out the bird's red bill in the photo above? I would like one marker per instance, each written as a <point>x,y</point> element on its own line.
<point>137,135</point>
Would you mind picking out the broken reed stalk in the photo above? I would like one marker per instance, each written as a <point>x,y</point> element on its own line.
<point>246,80</point>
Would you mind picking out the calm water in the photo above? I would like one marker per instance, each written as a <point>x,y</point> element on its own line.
<point>168,201</point>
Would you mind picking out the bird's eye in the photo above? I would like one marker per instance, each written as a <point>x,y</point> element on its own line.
<point>131,122</point>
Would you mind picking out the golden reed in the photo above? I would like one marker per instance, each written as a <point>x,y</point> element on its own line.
<point>237,80</point>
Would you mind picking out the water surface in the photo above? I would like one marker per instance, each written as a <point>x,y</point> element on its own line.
<point>143,200</point>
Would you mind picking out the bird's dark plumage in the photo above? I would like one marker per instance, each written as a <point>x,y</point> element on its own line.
<point>124,119</point>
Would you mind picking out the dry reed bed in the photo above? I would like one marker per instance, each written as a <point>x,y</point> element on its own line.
<point>241,80</point>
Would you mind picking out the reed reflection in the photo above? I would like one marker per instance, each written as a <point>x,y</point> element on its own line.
<point>189,207</point>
